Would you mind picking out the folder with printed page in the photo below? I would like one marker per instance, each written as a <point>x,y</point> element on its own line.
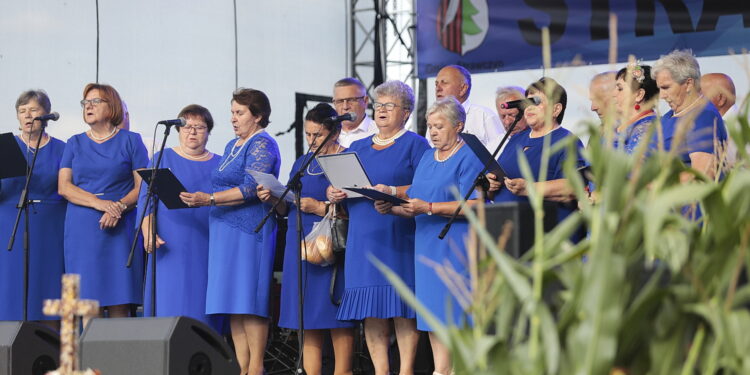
<point>345,171</point>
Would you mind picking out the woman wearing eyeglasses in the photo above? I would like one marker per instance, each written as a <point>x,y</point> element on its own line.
<point>46,217</point>
<point>390,158</point>
<point>98,178</point>
<point>181,239</point>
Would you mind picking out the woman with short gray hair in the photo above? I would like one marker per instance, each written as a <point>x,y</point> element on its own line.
<point>390,158</point>
<point>677,75</point>
<point>46,217</point>
<point>432,201</point>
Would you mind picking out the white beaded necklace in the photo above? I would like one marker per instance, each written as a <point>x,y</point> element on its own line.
<point>233,155</point>
<point>453,151</point>
<point>386,141</point>
<point>684,110</point>
<point>199,157</point>
<point>94,137</point>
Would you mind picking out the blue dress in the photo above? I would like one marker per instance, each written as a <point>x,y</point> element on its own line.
<point>389,238</point>
<point>45,236</point>
<point>240,261</point>
<point>319,311</point>
<point>532,149</point>
<point>434,181</point>
<point>100,256</point>
<point>631,137</point>
<point>182,262</point>
<point>707,133</point>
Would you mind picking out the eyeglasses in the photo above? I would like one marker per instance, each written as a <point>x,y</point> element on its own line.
<point>95,101</point>
<point>351,100</point>
<point>388,106</point>
<point>198,129</point>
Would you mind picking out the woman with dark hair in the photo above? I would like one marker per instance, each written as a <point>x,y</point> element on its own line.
<point>182,235</point>
<point>98,178</point>
<point>46,217</point>
<point>635,93</point>
<point>319,311</point>
<point>530,142</point>
<point>240,261</point>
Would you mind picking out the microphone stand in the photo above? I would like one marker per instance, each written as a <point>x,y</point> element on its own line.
<point>295,184</point>
<point>152,223</point>
<point>481,180</point>
<point>23,207</point>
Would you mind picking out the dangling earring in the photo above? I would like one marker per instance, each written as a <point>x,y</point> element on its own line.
<point>637,106</point>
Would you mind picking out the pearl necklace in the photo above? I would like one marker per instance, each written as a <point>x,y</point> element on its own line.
<point>680,113</point>
<point>94,137</point>
<point>386,141</point>
<point>453,151</point>
<point>199,157</point>
<point>233,155</point>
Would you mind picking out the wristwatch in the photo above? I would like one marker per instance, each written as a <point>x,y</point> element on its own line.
<point>213,200</point>
<point>429,208</point>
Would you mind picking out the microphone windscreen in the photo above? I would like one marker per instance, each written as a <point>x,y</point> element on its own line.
<point>353,115</point>
<point>54,116</point>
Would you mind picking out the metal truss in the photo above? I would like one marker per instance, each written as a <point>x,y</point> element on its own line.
<point>381,41</point>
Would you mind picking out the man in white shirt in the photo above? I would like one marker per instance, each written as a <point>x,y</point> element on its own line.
<point>455,80</point>
<point>350,95</point>
<point>719,89</point>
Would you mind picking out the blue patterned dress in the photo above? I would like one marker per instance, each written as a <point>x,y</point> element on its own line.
<point>319,311</point>
<point>100,255</point>
<point>46,220</point>
<point>182,262</point>
<point>632,136</point>
<point>240,261</point>
<point>368,294</point>
<point>433,182</point>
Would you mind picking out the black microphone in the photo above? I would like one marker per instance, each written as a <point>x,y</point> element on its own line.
<point>351,116</point>
<point>521,103</point>
<point>176,122</point>
<point>54,116</point>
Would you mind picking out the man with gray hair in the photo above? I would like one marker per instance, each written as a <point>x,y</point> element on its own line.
<point>601,90</point>
<point>350,95</point>
<point>455,81</point>
<point>508,115</point>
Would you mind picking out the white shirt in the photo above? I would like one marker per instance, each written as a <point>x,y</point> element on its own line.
<point>731,149</point>
<point>483,123</point>
<point>365,129</point>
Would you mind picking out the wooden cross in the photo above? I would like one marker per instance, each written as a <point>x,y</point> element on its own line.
<point>69,308</point>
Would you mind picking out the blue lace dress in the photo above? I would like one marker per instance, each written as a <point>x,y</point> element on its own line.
<point>100,255</point>
<point>433,182</point>
<point>240,261</point>
<point>389,238</point>
<point>319,311</point>
<point>632,136</point>
<point>182,262</point>
<point>46,218</point>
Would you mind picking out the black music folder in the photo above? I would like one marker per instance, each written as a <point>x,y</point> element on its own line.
<point>14,164</point>
<point>484,156</point>
<point>377,195</point>
<point>167,188</point>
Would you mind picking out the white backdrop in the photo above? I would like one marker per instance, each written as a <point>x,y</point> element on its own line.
<point>163,55</point>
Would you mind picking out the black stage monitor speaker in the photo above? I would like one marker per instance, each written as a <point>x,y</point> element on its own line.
<point>521,215</point>
<point>158,346</point>
<point>28,348</point>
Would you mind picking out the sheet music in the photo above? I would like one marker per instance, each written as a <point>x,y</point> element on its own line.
<point>271,183</point>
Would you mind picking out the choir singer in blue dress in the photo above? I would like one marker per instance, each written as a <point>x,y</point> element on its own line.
<point>98,178</point>
<point>46,218</point>
<point>182,234</point>
<point>530,143</point>
<point>319,311</point>
<point>451,165</point>
<point>390,159</point>
<point>240,261</point>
